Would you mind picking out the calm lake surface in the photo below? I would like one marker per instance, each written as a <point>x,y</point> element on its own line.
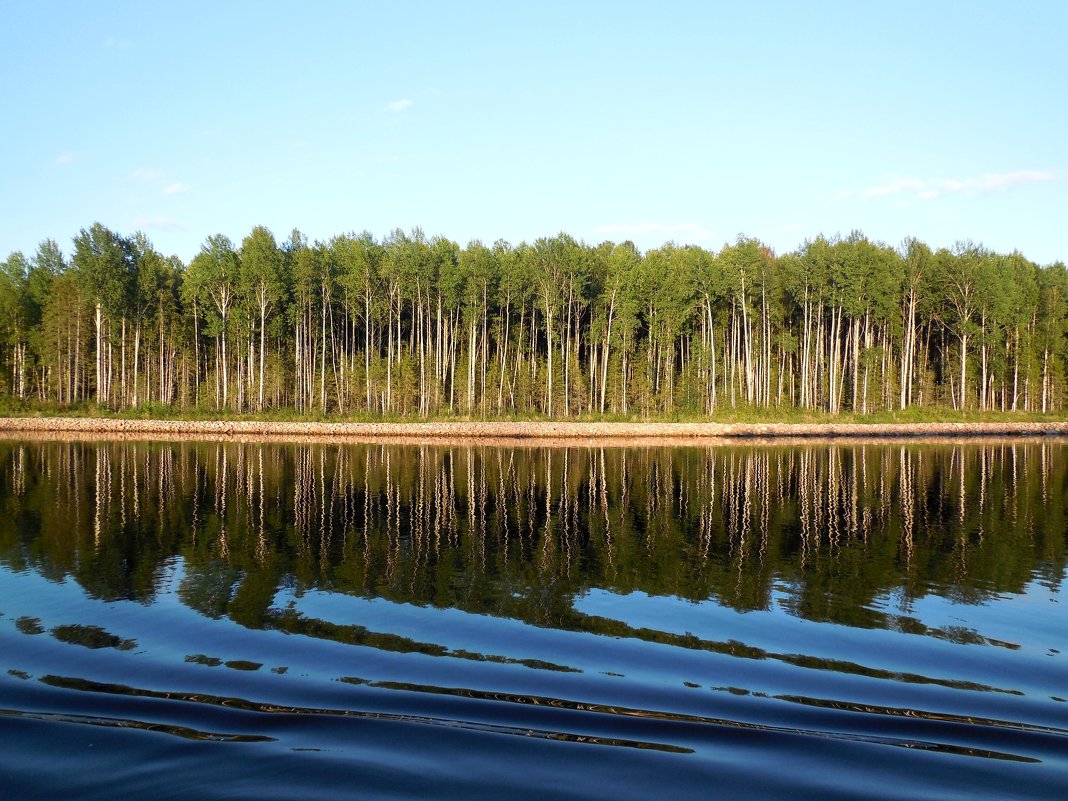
<point>264,620</point>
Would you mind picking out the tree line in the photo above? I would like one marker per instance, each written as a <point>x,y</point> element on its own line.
<point>417,326</point>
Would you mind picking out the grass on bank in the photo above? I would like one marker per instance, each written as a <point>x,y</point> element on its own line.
<point>14,407</point>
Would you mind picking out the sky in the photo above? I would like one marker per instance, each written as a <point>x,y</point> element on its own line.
<point>653,122</point>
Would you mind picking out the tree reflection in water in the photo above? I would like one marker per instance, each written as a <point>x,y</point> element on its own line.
<point>823,530</point>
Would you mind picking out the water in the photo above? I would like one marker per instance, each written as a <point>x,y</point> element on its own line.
<point>264,620</point>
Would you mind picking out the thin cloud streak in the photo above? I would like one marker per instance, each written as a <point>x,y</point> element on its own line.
<point>928,190</point>
<point>176,188</point>
<point>63,159</point>
<point>399,105</point>
<point>145,174</point>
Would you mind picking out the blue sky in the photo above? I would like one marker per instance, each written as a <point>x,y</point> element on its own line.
<point>691,122</point>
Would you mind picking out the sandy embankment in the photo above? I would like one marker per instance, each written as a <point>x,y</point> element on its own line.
<point>527,432</point>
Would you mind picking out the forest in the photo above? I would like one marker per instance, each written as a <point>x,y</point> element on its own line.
<point>411,326</point>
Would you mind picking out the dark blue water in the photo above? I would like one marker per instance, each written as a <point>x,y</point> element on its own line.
<point>263,620</point>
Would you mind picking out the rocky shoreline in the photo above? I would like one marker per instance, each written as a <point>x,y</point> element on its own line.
<point>674,432</point>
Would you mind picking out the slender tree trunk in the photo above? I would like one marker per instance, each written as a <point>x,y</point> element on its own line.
<point>123,397</point>
<point>367,343</point>
<point>607,345</point>
<point>263,348</point>
<point>549,347</point>
<point>136,361</point>
<point>963,369</point>
<point>322,354</point>
<point>100,388</point>
<point>225,367</point>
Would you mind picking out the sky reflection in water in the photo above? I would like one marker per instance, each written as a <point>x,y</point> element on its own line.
<point>280,620</point>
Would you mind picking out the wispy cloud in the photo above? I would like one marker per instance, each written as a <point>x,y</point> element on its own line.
<point>690,231</point>
<point>399,105</point>
<point>175,188</point>
<point>921,189</point>
<point>145,174</point>
<point>63,159</point>
<point>160,223</point>
<point>118,44</point>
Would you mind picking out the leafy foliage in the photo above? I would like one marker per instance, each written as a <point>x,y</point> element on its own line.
<point>416,326</point>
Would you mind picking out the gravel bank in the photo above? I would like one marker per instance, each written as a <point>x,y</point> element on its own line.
<point>165,429</point>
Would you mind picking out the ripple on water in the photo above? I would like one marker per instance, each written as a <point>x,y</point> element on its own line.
<point>277,621</point>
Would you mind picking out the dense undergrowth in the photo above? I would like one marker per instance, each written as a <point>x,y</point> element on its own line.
<point>13,407</point>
